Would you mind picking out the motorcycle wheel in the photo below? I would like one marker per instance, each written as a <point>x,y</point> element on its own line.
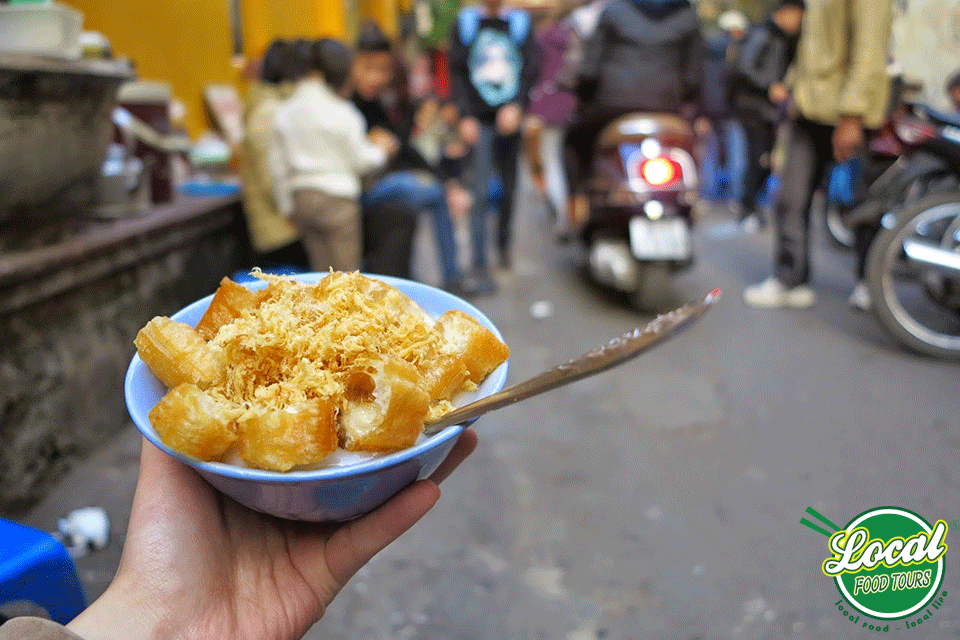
<point>653,294</point>
<point>838,230</point>
<point>901,301</point>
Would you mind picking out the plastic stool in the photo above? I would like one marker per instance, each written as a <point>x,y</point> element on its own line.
<point>35,567</point>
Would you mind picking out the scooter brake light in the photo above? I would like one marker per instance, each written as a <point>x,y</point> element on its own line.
<point>659,172</point>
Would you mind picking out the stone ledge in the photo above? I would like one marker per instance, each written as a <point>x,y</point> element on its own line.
<point>69,315</point>
<point>105,247</point>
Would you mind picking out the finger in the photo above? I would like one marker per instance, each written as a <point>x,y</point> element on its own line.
<point>354,544</point>
<point>158,468</point>
<point>464,447</point>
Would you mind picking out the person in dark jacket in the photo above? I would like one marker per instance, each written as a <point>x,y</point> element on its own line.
<point>645,55</point>
<point>725,143</point>
<point>758,92</point>
<point>492,68</point>
<point>410,183</point>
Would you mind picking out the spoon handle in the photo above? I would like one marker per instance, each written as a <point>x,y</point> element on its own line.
<point>607,356</point>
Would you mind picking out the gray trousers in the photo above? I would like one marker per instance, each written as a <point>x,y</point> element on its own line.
<point>329,228</point>
<point>809,157</point>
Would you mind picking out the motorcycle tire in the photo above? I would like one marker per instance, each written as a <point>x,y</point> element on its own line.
<point>838,230</point>
<point>653,295</point>
<point>882,269</point>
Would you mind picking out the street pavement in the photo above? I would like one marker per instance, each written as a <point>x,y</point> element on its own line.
<point>660,500</point>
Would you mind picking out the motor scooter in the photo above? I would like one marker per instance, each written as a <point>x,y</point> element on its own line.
<point>642,191</point>
<point>913,266</point>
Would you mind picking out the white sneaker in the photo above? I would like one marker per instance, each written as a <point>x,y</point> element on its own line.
<point>860,298</point>
<point>773,294</point>
<point>750,224</point>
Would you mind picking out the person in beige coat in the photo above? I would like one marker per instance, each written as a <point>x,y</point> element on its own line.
<point>273,237</point>
<point>840,88</point>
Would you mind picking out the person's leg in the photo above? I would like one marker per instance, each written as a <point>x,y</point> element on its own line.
<point>754,174</point>
<point>578,157</point>
<point>533,132</point>
<point>735,150</point>
<point>420,193</point>
<point>768,138</point>
<point>709,170</point>
<point>506,154</point>
<point>291,255</point>
<point>801,175</point>
<point>307,215</point>
<point>392,186</point>
<point>480,173</point>
<point>388,232</point>
<point>431,195</point>
<point>344,229</point>
<point>551,150</point>
<point>808,156</point>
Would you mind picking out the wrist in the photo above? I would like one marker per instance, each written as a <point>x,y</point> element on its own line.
<point>848,120</point>
<point>113,616</point>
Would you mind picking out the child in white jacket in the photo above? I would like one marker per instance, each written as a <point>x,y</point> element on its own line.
<point>319,154</point>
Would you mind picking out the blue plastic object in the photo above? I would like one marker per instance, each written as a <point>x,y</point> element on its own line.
<point>35,567</point>
<point>209,189</point>
<point>845,183</point>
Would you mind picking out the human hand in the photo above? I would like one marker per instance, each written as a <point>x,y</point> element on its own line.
<point>196,564</point>
<point>455,150</point>
<point>508,118</point>
<point>385,140</point>
<point>778,93</point>
<point>459,200</point>
<point>847,138</point>
<point>469,130</point>
<point>702,126</point>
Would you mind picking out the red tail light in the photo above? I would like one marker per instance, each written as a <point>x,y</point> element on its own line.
<point>914,131</point>
<point>659,172</point>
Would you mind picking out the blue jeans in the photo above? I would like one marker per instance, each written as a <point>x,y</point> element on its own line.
<point>421,193</point>
<point>493,152</point>
<point>727,140</point>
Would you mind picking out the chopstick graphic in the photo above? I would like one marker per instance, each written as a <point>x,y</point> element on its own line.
<point>819,517</point>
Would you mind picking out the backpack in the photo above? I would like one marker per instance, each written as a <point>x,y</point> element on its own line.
<point>468,23</point>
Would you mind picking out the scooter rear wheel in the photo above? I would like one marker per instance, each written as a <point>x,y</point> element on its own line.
<point>897,287</point>
<point>653,294</point>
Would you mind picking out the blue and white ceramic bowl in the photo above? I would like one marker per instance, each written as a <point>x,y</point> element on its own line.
<point>329,494</point>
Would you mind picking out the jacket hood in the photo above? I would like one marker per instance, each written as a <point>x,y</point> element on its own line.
<point>660,8</point>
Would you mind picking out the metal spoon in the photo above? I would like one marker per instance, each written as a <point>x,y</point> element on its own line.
<point>607,356</point>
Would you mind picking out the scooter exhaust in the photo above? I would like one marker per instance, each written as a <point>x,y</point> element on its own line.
<point>931,256</point>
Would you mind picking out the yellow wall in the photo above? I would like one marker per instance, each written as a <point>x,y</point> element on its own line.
<point>264,20</point>
<point>188,42</point>
<point>185,42</point>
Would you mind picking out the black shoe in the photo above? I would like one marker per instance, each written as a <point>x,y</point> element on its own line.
<point>480,283</point>
<point>563,236</point>
<point>456,288</point>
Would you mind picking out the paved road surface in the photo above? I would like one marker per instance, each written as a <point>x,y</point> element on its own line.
<point>661,500</point>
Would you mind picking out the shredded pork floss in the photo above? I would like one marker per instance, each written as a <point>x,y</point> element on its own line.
<point>300,342</point>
